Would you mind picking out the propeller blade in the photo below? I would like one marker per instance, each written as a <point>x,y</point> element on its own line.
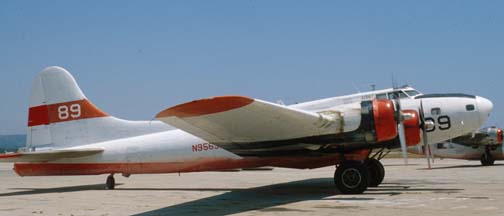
<point>402,140</point>
<point>400,128</point>
<point>424,136</point>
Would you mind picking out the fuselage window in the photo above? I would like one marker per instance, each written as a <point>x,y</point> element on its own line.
<point>436,111</point>
<point>381,96</point>
<point>470,107</point>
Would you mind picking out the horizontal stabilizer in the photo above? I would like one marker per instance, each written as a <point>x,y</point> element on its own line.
<point>43,156</point>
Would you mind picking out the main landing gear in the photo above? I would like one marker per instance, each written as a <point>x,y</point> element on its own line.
<point>110,183</point>
<point>487,158</point>
<point>376,172</point>
<point>354,176</point>
<point>351,177</point>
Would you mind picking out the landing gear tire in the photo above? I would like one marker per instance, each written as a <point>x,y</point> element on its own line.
<point>351,177</point>
<point>487,160</point>
<point>110,183</point>
<point>376,172</point>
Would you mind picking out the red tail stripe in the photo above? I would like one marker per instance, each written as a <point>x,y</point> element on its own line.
<point>38,116</point>
<point>61,112</point>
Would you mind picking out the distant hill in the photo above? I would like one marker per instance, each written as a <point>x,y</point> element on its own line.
<point>11,142</point>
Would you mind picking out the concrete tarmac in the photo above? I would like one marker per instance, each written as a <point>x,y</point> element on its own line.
<point>453,187</point>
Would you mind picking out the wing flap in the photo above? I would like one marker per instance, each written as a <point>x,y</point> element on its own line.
<point>49,155</point>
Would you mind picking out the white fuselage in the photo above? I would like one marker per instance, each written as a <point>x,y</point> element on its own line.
<point>165,150</point>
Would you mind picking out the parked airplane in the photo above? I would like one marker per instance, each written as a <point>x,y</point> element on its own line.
<point>68,135</point>
<point>484,145</point>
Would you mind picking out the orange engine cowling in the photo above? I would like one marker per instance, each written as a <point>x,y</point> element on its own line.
<point>499,135</point>
<point>412,128</point>
<point>385,124</point>
<point>494,135</point>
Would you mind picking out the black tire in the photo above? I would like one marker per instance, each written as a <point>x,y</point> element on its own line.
<point>110,184</point>
<point>487,160</point>
<point>376,172</point>
<point>491,161</point>
<point>351,177</point>
<point>483,160</point>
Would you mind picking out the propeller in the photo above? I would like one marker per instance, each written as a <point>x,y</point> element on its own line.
<point>400,126</point>
<point>423,126</point>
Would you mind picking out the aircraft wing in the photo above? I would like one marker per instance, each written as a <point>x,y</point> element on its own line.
<point>240,122</point>
<point>470,139</point>
<point>43,156</point>
<point>486,136</point>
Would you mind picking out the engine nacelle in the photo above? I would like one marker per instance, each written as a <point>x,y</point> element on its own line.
<point>385,125</point>
<point>378,119</point>
<point>500,136</point>
<point>494,135</point>
<point>412,128</point>
<point>377,123</point>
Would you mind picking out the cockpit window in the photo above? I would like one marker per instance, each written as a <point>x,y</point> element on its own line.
<point>470,107</point>
<point>401,94</point>
<point>412,93</point>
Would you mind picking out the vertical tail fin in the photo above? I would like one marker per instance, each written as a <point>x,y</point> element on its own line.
<point>60,115</point>
<point>56,97</point>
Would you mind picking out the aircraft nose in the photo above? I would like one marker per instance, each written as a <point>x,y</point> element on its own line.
<point>485,106</point>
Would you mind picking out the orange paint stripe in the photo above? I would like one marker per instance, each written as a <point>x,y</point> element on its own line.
<point>61,112</point>
<point>206,106</point>
<point>214,164</point>
<point>9,155</point>
<point>48,169</point>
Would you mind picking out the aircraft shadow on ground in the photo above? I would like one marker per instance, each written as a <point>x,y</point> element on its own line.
<point>266,198</point>
<point>32,191</point>
<point>461,166</point>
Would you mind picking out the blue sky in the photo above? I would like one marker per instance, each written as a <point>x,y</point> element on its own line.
<point>133,59</point>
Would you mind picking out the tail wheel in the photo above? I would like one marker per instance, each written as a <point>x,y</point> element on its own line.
<point>110,183</point>
<point>376,172</point>
<point>351,177</point>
